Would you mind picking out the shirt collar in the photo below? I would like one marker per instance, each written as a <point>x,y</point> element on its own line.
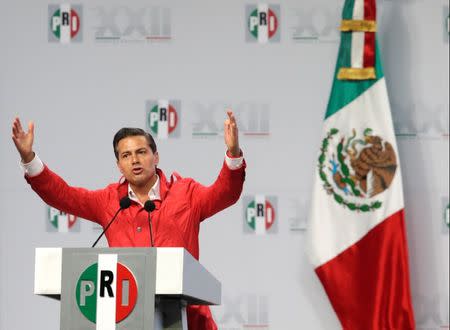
<point>153,194</point>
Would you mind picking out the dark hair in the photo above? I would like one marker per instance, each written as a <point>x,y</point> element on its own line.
<point>131,131</point>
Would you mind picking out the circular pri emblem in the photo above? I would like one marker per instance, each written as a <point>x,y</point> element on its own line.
<point>60,219</point>
<point>162,118</point>
<point>355,169</point>
<point>260,210</point>
<point>263,19</point>
<point>69,19</point>
<point>125,291</point>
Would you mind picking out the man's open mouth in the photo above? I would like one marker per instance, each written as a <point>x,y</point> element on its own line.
<point>138,170</point>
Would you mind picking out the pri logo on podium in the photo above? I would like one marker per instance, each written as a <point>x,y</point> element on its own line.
<point>64,23</point>
<point>260,214</point>
<point>162,118</point>
<point>262,23</point>
<point>106,291</point>
<point>61,222</point>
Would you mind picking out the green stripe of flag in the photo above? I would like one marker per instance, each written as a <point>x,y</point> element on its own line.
<point>347,12</point>
<point>89,306</point>
<point>345,91</point>
<point>345,53</point>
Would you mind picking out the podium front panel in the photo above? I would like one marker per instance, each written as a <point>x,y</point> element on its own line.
<point>106,289</point>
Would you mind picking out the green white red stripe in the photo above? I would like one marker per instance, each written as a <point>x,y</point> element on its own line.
<point>106,292</point>
<point>162,119</point>
<point>356,234</point>
<point>360,42</point>
<point>65,23</point>
<point>260,214</point>
<point>263,23</point>
<point>60,220</point>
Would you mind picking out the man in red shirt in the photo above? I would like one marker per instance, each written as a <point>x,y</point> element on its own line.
<point>180,203</point>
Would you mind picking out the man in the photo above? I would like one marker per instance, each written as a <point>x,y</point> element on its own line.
<point>181,203</point>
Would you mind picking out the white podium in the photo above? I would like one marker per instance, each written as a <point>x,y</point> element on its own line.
<point>123,288</point>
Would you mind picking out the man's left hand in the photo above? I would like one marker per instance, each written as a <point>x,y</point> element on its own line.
<point>231,135</point>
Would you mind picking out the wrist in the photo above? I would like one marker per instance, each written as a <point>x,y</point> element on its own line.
<point>28,157</point>
<point>234,152</point>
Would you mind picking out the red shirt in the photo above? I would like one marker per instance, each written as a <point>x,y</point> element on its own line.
<point>176,219</point>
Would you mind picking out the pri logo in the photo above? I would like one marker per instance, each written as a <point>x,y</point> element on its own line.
<point>356,169</point>
<point>260,213</point>
<point>106,291</point>
<point>58,221</point>
<point>262,23</point>
<point>162,117</point>
<point>64,23</point>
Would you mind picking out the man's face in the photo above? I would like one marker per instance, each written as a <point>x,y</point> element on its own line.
<point>137,161</point>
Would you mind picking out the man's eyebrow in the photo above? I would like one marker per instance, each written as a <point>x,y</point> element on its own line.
<point>129,151</point>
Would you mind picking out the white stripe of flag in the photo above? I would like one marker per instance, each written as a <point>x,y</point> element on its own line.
<point>64,29</point>
<point>357,54</point>
<point>357,49</point>
<point>163,126</point>
<point>263,30</point>
<point>106,306</point>
<point>358,10</point>
<point>260,221</point>
<point>63,223</point>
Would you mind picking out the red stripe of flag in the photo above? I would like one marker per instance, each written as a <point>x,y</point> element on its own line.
<point>369,50</point>
<point>370,14</point>
<point>370,10</point>
<point>368,283</point>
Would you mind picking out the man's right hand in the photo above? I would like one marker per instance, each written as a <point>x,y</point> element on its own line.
<point>23,141</point>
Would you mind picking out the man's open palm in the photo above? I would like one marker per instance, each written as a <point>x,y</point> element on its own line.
<point>23,140</point>
<point>231,134</point>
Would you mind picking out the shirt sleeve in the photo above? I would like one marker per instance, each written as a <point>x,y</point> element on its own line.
<point>81,202</point>
<point>224,192</point>
<point>33,168</point>
<point>234,163</point>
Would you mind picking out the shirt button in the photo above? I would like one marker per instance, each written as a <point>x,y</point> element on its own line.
<point>139,229</point>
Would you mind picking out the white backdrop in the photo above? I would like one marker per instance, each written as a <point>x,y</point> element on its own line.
<point>200,55</point>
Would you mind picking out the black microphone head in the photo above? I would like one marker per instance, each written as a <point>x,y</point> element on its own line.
<point>149,206</point>
<point>125,202</point>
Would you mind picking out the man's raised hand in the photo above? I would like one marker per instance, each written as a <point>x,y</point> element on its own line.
<point>230,130</point>
<point>23,140</point>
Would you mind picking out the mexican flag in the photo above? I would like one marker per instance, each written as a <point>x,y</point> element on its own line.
<point>357,236</point>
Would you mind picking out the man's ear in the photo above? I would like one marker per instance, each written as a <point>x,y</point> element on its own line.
<point>156,158</point>
<point>119,167</point>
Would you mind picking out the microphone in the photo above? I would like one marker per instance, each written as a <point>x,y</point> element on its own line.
<point>149,206</point>
<point>124,203</point>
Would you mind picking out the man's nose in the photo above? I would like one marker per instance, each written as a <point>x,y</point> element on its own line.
<point>134,159</point>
